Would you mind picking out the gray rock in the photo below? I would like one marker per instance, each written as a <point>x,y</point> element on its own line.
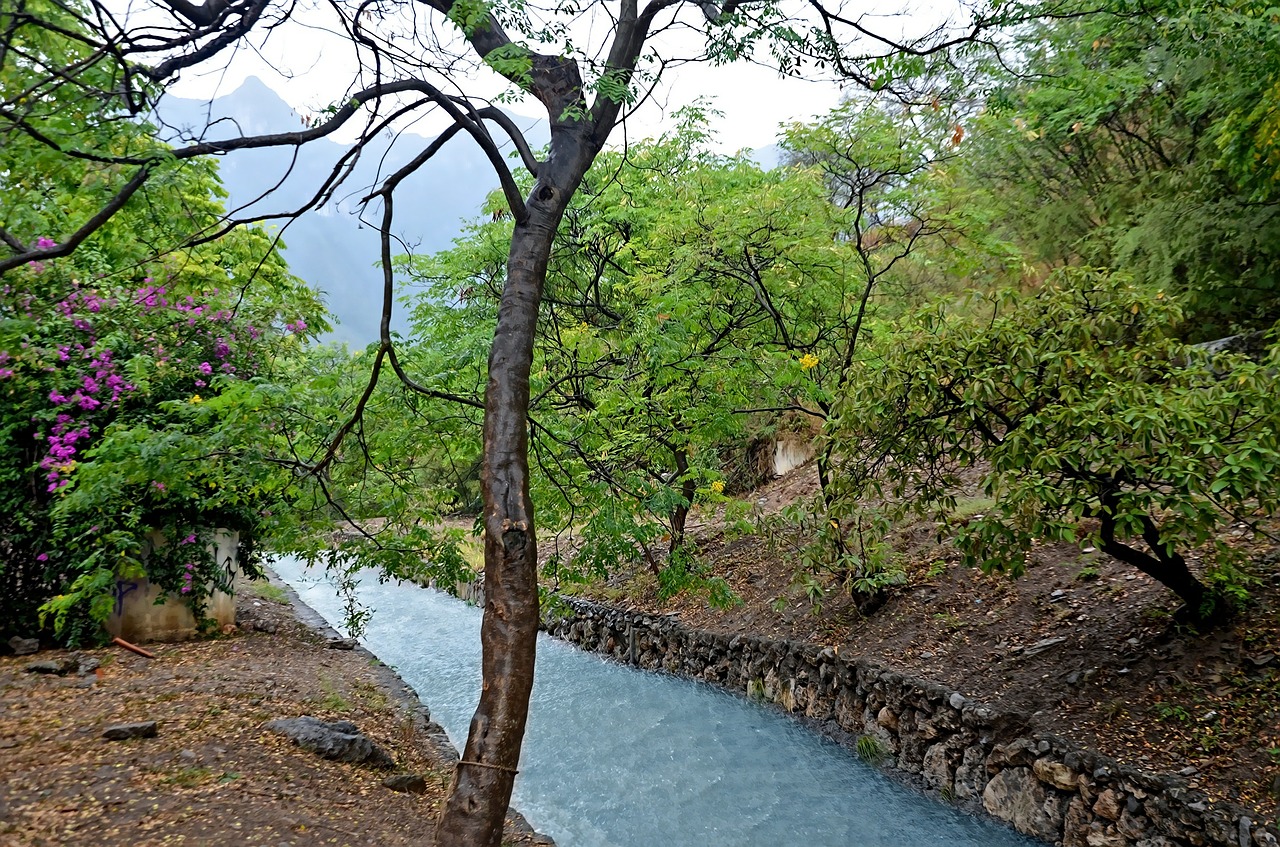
<point>1016,796</point>
<point>340,741</point>
<point>1076,823</point>
<point>1045,644</point>
<point>60,667</point>
<point>410,782</point>
<point>341,644</point>
<point>936,768</point>
<point>1103,838</point>
<point>1017,753</point>
<point>125,731</point>
<point>24,646</point>
<point>971,774</point>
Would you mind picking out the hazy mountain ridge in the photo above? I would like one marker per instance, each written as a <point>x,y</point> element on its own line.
<point>330,247</point>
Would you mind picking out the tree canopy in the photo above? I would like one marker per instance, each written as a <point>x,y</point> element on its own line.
<point>652,323</point>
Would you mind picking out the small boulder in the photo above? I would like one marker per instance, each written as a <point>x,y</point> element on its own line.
<point>24,646</point>
<point>1055,773</point>
<point>85,665</point>
<point>410,782</point>
<point>58,667</point>
<point>336,740</point>
<point>125,731</point>
<point>341,644</point>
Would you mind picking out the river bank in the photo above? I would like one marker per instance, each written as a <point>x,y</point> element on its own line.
<point>1081,647</point>
<point>212,774</point>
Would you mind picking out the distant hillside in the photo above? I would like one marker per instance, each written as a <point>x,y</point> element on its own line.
<point>329,247</point>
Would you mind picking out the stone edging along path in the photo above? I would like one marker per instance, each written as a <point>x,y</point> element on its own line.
<point>975,756</point>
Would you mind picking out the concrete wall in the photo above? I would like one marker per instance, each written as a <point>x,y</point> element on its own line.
<point>790,453</point>
<point>969,754</point>
<point>137,616</point>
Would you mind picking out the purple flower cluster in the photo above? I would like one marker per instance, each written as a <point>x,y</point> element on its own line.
<point>60,460</point>
<point>100,387</point>
<point>188,343</point>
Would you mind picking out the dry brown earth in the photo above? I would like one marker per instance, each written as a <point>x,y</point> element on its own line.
<point>1124,679</point>
<point>213,775</point>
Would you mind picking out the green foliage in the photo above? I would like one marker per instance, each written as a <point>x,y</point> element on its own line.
<point>685,290</point>
<point>272,593</point>
<point>1073,402</point>
<point>852,552</point>
<point>656,331</point>
<point>138,375</point>
<point>55,131</point>
<point>138,419</point>
<point>1144,140</point>
<point>871,749</point>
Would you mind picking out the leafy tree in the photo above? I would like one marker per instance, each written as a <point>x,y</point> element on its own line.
<point>687,295</point>
<point>137,405</point>
<point>644,362</point>
<point>1143,140</point>
<point>137,372</point>
<point>584,87</point>
<point>1073,402</point>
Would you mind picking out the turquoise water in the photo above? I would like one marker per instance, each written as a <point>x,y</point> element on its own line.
<point>616,757</point>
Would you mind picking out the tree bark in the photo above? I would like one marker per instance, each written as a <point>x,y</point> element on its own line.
<point>477,804</point>
<point>679,516</point>
<point>1164,564</point>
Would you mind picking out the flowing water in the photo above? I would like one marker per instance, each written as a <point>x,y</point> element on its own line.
<point>618,756</point>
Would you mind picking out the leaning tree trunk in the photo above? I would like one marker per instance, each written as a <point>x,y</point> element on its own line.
<point>1163,564</point>
<point>476,808</point>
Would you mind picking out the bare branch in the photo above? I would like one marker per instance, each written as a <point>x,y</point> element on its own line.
<point>86,229</point>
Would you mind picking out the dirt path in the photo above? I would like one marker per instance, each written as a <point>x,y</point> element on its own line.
<point>213,775</point>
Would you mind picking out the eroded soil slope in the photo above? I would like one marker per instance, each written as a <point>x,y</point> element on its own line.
<point>1085,644</point>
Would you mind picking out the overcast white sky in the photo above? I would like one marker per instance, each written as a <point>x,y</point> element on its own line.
<point>754,99</point>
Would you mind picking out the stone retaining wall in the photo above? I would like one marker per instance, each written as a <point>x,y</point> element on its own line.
<point>969,754</point>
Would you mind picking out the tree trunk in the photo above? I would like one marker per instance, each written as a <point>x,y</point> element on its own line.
<point>679,516</point>
<point>825,456</point>
<point>1164,564</point>
<point>476,808</point>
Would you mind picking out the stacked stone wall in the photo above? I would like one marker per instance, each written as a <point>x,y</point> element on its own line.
<point>975,756</point>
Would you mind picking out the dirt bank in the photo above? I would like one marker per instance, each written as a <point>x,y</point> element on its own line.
<point>212,775</point>
<point>1085,645</point>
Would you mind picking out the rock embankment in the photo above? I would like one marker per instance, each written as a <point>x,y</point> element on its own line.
<point>980,758</point>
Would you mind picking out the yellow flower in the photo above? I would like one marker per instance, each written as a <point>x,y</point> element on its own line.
<point>195,398</point>
<point>717,486</point>
<point>808,361</point>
